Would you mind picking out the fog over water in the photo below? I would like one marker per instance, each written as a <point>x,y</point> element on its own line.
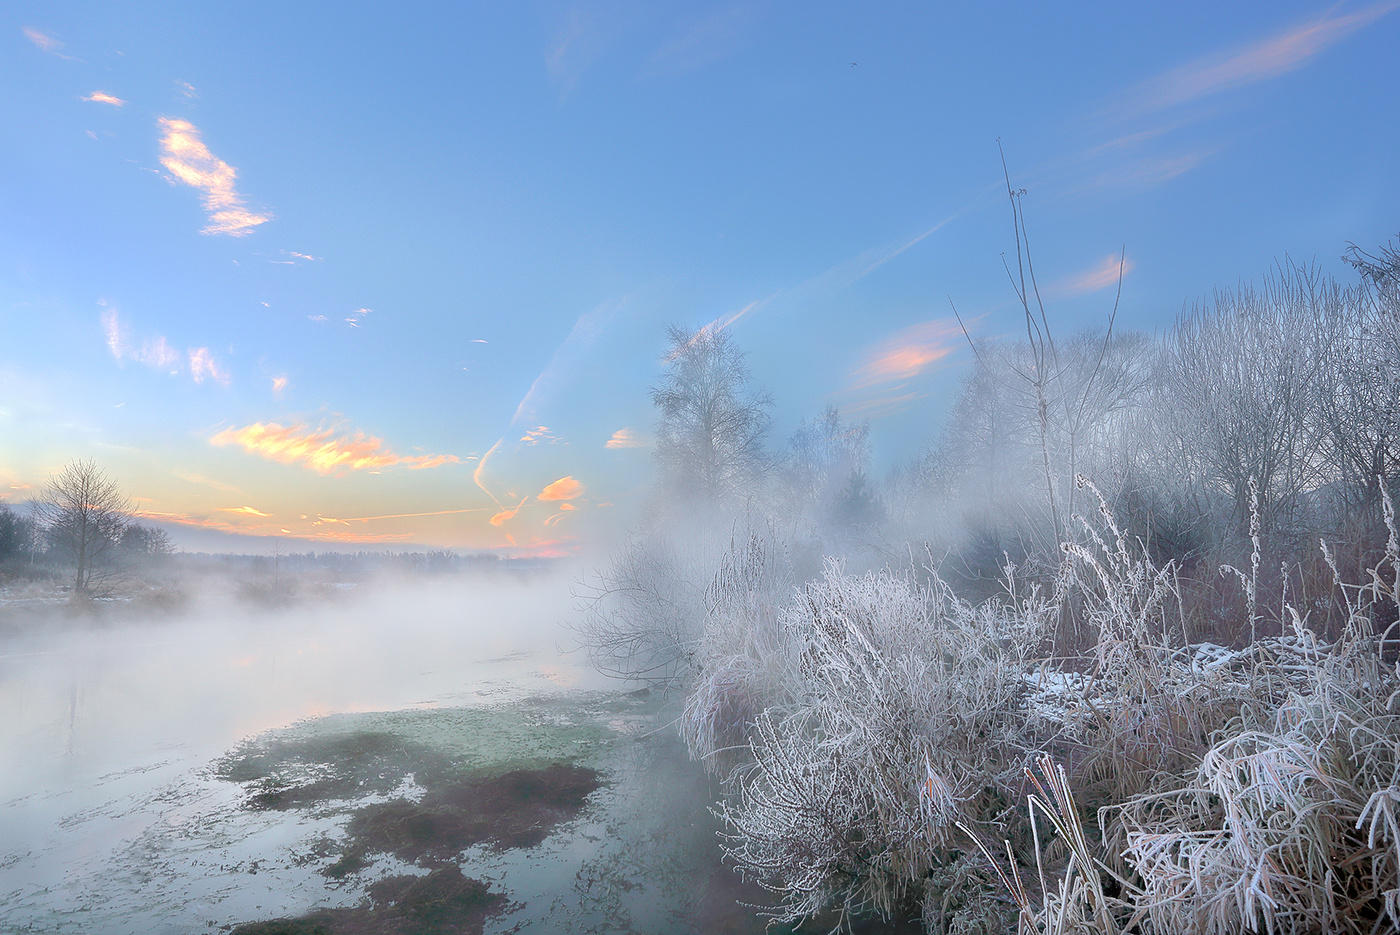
<point>112,723</point>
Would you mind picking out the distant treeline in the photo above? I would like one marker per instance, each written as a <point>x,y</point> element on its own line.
<point>357,564</point>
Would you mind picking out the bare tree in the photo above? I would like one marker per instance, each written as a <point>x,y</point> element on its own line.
<point>1243,385</point>
<point>709,442</point>
<point>85,514</point>
<point>1068,390</point>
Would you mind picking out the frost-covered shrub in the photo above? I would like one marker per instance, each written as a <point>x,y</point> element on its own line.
<point>1291,821</point>
<point>744,650</point>
<point>892,680</point>
<point>642,617</point>
<point>1288,819</point>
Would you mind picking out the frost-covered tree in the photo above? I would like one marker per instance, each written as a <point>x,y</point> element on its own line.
<point>827,473</point>
<point>709,441</point>
<point>84,513</point>
<point>1241,384</point>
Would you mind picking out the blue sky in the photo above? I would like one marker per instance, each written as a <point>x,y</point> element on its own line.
<point>299,273</point>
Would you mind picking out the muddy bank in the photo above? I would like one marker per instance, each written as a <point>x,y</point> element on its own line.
<point>442,903</point>
<point>517,809</point>
<point>420,792</point>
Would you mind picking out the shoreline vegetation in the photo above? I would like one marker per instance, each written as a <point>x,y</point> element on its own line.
<point>1119,655</point>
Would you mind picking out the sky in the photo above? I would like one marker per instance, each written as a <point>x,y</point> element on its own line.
<point>371,276</point>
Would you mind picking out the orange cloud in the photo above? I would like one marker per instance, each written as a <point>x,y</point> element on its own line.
<point>540,433</point>
<point>566,507</point>
<point>1101,276</point>
<point>190,162</point>
<point>624,438</point>
<point>907,354</point>
<point>186,519</point>
<point>321,450</point>
<point>505,516</point>
<point>1268,58</point>
<point>102,97</point>
<point>565,488</point>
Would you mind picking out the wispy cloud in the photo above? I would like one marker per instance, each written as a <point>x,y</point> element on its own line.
<point>587,30</point>
<point>191,163</point>
<point>480,471</point>
<point>711,38</point>
<point>323,450</point>
<point>383,516</point>
<point>186,90</point>
<point>567,358</point>
<point>201,480</point>
<point>624,438</point>
<point>45,42</point>
<point>246,510</point>
<point>879,406</point>
<point>102,97</point>
<point>292,258</point>
<point>1101,275</point>
<point>357,316</point>
<point>565,488</point>
<point>247,524</point>
<point>715,326</point>
<point>203,367</point>
<point>1150,171</point>
<point>906,354</point>
<point>870,264</point>
<point>538,434</point>
<point>154,352</point>
<point>279,384</point>
<point>1272,57</point>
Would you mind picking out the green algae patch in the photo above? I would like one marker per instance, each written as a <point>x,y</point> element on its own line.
<point>445,902</point>
<point>342,758</point>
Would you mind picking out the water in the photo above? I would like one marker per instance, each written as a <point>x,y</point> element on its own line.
<point>118,812</point>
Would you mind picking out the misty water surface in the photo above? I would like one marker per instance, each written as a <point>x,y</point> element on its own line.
<point>108,810</point>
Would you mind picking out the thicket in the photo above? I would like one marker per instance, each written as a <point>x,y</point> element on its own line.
<point>1118,655</point>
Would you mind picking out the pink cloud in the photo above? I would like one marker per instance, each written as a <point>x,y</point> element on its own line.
<point>1267,58</point>
<point>907,354</point>
<point>1100,276</point>
<point>203,367</point>
<point>191,163</point>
